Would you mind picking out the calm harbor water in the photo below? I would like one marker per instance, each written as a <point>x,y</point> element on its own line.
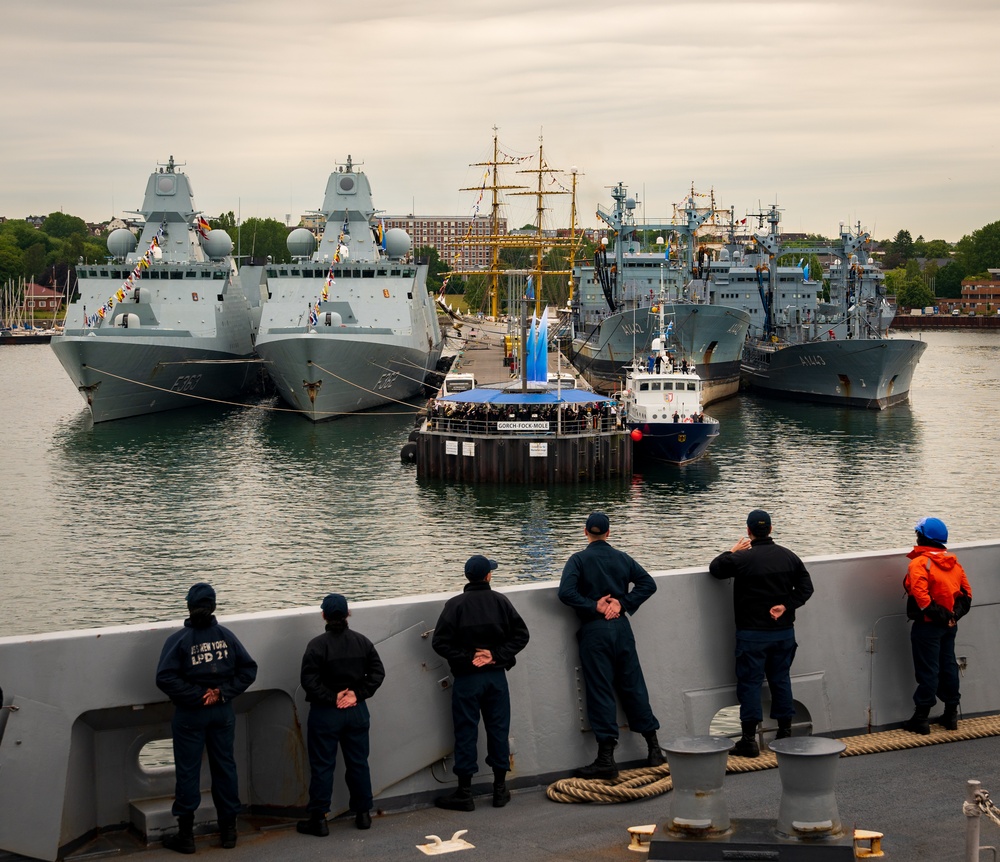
<point>111,523</point>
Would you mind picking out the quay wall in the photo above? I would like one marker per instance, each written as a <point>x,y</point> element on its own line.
<point>86,702</point>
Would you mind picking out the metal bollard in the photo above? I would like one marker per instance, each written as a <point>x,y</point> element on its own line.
<point>698,767</point>
<point>807,766</point>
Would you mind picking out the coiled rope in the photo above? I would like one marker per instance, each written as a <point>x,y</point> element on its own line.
<point>649,781</point>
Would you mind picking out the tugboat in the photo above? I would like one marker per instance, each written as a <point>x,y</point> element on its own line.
<point>664,407</point>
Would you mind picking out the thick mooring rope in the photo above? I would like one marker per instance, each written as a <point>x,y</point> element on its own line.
<point>647,782</point>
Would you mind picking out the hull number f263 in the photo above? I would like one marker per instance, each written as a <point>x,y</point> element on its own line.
<point>186,383</point>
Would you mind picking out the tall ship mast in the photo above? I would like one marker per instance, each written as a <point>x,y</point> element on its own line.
<point>514,282</point>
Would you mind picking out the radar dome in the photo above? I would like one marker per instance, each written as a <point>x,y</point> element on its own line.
<point>121,242</point>
<point>301,242</point>
<point>217,244</point>
<point>630,203</point>
<point>397,242</point>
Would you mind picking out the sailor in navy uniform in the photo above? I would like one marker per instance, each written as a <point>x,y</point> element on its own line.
<point>603,584</point>
<point>202,668</point>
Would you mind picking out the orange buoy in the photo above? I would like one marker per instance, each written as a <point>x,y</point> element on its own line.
<point>636,435</point>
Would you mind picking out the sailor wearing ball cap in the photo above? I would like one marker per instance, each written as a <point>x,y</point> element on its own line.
<point>479,632</point>
<point>769,584</point>
<point>202,668</point>
<point>341,670</point>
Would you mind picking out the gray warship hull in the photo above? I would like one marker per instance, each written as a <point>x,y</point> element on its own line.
<point>873,373</point>
<point>329,376</point>
<point>712,336</point>
<point>123,377</point>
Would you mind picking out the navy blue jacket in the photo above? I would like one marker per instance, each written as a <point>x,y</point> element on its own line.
<point>194,660</point>
<point>600,570</point>
<point>479,618</point>
<point>340,659</point>
<point>764,575</point>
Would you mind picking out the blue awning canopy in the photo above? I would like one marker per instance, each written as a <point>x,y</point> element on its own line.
<point>510,396</point>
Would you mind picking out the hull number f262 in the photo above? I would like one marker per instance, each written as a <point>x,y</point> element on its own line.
<point>386,380</point>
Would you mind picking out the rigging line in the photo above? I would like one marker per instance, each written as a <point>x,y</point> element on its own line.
<point>250,361</point>
<point>362,388</point>
<point>238,403</point>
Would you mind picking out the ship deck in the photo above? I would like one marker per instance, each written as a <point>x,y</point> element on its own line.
<point>914,797</point>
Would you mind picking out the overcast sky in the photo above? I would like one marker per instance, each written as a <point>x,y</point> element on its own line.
<point>883,112</point>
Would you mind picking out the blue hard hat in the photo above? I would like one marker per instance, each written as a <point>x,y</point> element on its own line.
<point>933,529</point>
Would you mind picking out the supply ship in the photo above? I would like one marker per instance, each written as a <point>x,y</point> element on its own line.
<point>614,295</point>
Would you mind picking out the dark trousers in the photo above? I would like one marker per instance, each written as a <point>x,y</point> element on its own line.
<point>934,664</point>
<point>328,727</point>
<point>610,665</point>
<point>196,730</point>
<point>760,656</point>
<point>484,693</point>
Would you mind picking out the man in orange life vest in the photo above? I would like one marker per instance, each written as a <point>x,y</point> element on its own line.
<point>939,594</point>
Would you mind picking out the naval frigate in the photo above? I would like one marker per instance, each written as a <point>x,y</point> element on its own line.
<point>803,348</point>
<point>165,321</point>
<point>615,304</point>
<point>349,324</point>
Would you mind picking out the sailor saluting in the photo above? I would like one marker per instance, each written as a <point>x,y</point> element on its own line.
<point>202,668</point>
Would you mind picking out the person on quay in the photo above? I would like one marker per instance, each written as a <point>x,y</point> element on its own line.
<point>202,668</point>
<point>938,595</point>
<point>479,632</point>
<point>769,584</point>
<point>341,670</point>
<point>596,584</point>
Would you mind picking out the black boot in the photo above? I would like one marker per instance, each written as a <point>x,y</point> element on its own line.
<point>919,722</point>
<point>315,825</point>
<point>228,832</point>
<point>746,745</point>
<point>949,720</point>
<point>784,728</point>
<point>461,799</point>
<point>501,795</point>
<point>363,820</point>
<point>604,766</point>
<point>654,754</point>
<point>183,841</point>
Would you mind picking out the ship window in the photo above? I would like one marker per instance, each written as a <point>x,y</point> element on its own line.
<point>356,274</point>
<point>368,273</point>
<point>668,385</point>
<point>692,387</point>
<point>190,273</point>
<point>655,386</point>
<point>218,275</point>
<point>296,272</point>
<point>206,274</point>
<point>394,272</point>
<point>272,273</point>
<point>643,387</point>
<point>177,275</point>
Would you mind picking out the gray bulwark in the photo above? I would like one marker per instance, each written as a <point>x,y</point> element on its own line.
<point>94,694</point>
